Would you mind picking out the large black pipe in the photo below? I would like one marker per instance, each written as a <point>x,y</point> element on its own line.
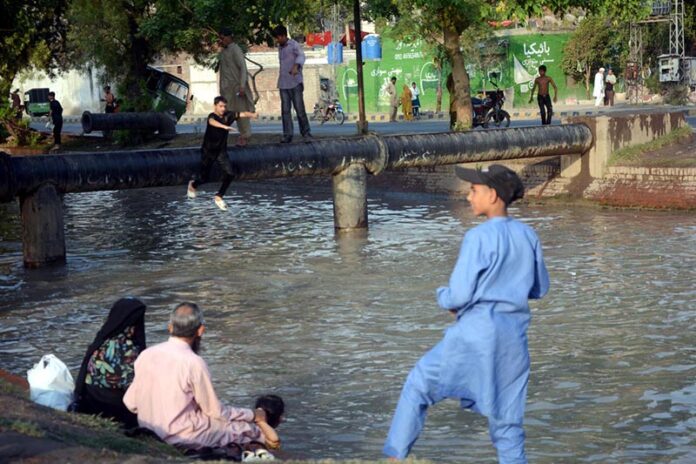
<point>83,172</point>
<point>489,145</point>
<point>163,123</point>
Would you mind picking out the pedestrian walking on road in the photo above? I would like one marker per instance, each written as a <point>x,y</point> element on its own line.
<point>291,84</point>
<point>415,101</point>
<point>543,95</point>
<point>609,83</point>
<point>393,99</point>
<point>598,91</point>
<point>406,105</point>
<point>56,115</point>
<point>234,83</point>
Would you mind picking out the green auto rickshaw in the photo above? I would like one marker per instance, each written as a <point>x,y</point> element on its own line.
<point>170,93</point>
<point>36,102</point>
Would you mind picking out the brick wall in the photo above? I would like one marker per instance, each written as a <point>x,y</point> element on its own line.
<point>645,187</point>
<point>539,175</point>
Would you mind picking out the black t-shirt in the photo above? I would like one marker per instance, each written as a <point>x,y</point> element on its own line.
<point>56,112</point>
<point>215,139</point>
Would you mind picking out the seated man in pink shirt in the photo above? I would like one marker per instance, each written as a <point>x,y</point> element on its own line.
<point>173,396</point>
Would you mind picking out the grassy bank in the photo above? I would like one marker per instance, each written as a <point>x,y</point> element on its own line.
<point>676,149</point>
<point>28,430</point>
<point>33,433</point>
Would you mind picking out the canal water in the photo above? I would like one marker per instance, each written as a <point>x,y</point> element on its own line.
<point>335,325</point>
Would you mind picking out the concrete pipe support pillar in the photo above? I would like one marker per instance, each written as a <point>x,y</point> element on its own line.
<point>43,234</point>
<point>350,198</point>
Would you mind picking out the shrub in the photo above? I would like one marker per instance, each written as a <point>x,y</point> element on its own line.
<point>653,83</point>
<point>677,94</point>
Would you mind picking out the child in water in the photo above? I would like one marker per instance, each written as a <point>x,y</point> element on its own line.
<point>274,407</point>
<point>483,360</point>
<point>271,409</point>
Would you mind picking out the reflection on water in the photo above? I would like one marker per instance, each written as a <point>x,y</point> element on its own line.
<point>335,325</point>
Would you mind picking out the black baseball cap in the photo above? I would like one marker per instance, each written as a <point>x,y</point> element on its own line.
<point>503,180</point>
<point>226,32</point>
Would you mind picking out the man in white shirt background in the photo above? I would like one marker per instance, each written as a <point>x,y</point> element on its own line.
<point>415,101</point>
<point>598,91</point>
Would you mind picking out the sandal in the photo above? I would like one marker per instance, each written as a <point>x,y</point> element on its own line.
<point>257,456</point>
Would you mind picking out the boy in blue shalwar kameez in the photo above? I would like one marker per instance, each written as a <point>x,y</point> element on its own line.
<point>483,359</point>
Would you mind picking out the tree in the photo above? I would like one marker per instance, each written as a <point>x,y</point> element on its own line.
<point>122,37</point>
<point>453,24</point>
<point>440,22</point>
<point>594,43</point>
<point>31,36</point>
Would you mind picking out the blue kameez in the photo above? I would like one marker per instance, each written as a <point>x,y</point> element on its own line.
<point>483,359</point>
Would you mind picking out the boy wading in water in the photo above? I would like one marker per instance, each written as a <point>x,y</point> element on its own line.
<point>544,96</point>
<point>215,149</point>
<point>483,360</point>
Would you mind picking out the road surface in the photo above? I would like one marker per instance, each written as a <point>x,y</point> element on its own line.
<point>348,128</point>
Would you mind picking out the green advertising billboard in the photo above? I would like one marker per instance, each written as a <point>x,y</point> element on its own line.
<point>407,61</point>
<point>514,58</point>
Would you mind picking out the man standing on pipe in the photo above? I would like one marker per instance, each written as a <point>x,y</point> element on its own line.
<point>544,95</point>
<point>234,83</point>
<point>290,84</point>
<point>214,149</point>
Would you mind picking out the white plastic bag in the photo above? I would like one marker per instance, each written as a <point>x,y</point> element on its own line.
<point>50,383</point>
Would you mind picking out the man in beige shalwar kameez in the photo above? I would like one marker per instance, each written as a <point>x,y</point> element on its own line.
<point>234,83</point>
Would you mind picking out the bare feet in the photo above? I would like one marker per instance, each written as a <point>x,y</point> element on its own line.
<point>191,191</point>
<point>220,203</point>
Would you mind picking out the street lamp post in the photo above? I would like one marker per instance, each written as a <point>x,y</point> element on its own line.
<point>362,121</point>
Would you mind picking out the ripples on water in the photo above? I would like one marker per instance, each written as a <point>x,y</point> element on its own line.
<point>335,325</point>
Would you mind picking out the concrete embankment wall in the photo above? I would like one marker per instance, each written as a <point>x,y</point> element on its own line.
<point>621,186</point>
<point>538,175</point>
<point>588,176</point>
<point>616,131</point>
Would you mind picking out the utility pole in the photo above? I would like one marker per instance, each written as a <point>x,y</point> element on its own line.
<point>362,121</point>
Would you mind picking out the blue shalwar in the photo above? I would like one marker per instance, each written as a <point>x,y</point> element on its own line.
<point>483,359</point>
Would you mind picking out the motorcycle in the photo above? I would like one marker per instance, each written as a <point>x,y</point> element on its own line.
<point>489,110</point>
<point>334,111</point>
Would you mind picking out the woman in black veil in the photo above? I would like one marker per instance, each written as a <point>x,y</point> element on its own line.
<point>107,369</point>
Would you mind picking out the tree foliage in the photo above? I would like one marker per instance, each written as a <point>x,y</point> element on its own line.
<point>595,43</point>
<point>32,35</point>
<point>458,24</point>
<point>121,37</point>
